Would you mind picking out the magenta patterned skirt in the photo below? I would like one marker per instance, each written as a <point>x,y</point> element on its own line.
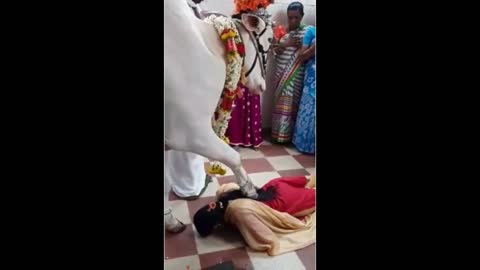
<point>245,126</point>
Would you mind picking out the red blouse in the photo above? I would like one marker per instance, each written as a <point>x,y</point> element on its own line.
<point>291,194</point>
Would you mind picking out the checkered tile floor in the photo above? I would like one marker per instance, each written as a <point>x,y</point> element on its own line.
<point>188,250</point>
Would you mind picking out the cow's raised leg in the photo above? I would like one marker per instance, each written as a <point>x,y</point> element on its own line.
<point>206,143</point>
<point>210,146</point>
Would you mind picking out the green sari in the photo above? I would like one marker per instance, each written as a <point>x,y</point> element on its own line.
<point>290,76</point>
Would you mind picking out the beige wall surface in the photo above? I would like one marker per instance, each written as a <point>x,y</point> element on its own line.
<point>279,15</point>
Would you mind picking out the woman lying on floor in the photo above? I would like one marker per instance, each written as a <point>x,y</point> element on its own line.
<point>279,221</point>
<point>292,195</point>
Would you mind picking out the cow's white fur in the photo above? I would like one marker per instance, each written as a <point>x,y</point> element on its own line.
<point>194,78</point>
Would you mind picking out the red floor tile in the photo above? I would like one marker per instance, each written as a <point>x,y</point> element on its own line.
<point>193,206</point>
<point>298,172</point>
<point>238,256</point>
<point>273,150</point>
<point>257,165</point>
<point>307,256</point>
<point>172,196</point>
<point>180,244</point>
<point>307,161</point>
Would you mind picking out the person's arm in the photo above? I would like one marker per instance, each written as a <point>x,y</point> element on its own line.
<point>279,47</point>
<point>307,53</point>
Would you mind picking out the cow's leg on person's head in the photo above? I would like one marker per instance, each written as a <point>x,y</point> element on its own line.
<point>213,148</point>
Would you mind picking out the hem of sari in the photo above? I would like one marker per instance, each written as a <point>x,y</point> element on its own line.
<point>303,151</point>
<point>282,140</point>
<point>246,145</point>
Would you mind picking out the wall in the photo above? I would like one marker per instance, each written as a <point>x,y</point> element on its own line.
<point>279,15</point>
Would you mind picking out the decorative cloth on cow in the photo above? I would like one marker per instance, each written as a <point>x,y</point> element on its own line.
<point>245,126</point>
<point>304,134</point>
<point>185,172</point>
<point>289,76</point>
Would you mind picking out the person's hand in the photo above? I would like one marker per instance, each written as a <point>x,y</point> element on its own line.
<point>301,58</point>
<point>293,42</point>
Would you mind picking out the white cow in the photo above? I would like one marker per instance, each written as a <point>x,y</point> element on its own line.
<point>195,68</point>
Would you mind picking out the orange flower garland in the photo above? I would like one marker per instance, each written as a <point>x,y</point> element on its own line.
<point>250,5</point>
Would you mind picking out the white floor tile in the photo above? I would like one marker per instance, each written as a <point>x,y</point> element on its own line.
<point>260,179</point>
<point>180,211</point>
<point>284,163</point>
<point>211,188</point>
<point>292,151</point>
<point>247,153</point>
<point>288,261</point>
<point>311,171</point>
<point>217,242</point>
<point>265,142</point>
<point>182,263</point>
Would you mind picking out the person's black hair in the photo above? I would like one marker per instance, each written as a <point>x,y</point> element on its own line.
<point>205,219</point>
<point>263,195</point>
<point>296,6</point>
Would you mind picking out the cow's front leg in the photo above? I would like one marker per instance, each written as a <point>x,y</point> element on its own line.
<point>206,143</point>
<point>245,183</point>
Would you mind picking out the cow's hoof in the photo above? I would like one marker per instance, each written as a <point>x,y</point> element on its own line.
<point>251,193</point>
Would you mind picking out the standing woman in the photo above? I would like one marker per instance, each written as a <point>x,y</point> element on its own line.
<point>304,135</point>
<point>245,126</point>
<point>290,75</point>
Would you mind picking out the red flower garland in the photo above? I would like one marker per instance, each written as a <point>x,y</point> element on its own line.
<point>279,31</point>
<point>241,49</point>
